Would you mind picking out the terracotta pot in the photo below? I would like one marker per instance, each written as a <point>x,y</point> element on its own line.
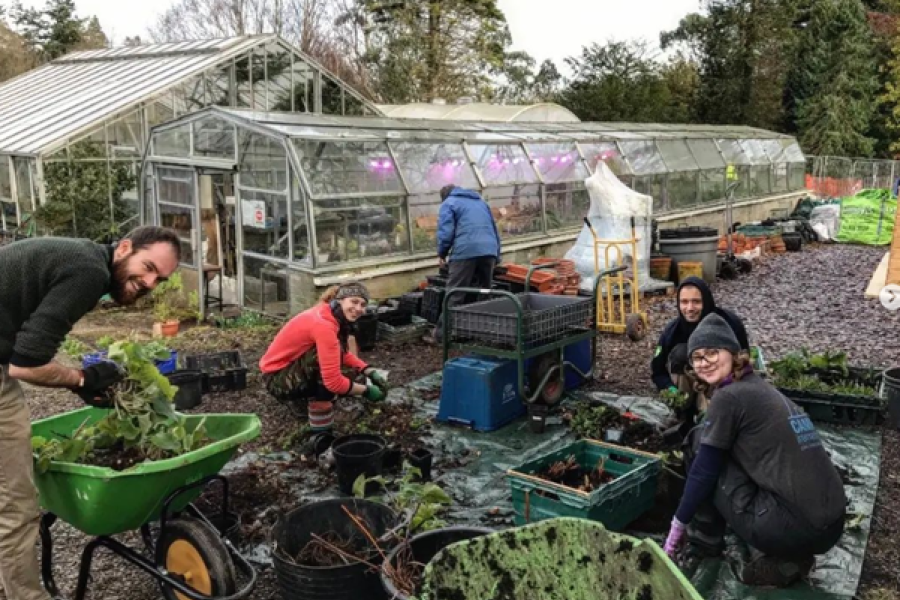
<point>661,268</point>
<point>169,328</point>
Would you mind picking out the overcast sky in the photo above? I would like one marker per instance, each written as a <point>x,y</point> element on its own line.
<point>553,29</point>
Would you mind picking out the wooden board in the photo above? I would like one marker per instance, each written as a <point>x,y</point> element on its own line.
<point>893,269</point>
<point>879,278</point>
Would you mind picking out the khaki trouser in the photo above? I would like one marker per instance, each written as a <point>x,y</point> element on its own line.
<point>19,512</point>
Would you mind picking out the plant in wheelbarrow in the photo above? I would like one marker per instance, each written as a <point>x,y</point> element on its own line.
<point>141,425</point>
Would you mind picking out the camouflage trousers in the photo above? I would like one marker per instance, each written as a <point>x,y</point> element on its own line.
<point>301,382</point>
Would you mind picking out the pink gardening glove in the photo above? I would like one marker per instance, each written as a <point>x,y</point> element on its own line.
<point>676,537</point>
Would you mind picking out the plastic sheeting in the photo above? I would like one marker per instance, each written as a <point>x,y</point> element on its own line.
<point>613,204</point>
<point>868,218</point>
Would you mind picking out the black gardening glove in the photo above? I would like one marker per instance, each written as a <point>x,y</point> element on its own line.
<point>98,379</point>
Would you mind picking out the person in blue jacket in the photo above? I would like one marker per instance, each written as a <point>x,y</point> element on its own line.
<point>695,301</point>
<point>467,237</point>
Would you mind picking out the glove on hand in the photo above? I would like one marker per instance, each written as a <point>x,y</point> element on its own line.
<point>676,537</point>
<point>373,393</point>
<point>98,379</point>
<point>378,380</point>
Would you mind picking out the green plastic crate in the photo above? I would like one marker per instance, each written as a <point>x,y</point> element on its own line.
<point>556,559</point>
<point>615,504</point>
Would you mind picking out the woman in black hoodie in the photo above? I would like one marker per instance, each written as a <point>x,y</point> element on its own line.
<point>695,301</point>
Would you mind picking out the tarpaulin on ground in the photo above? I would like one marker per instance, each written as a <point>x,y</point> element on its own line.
<point>868,218</point>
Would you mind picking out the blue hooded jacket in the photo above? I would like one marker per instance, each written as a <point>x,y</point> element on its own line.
<point>466,227</point>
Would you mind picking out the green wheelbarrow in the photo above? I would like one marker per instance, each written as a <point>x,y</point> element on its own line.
<point>189,555</point>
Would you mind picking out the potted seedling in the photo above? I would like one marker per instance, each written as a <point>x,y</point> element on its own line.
<point>170,305</point>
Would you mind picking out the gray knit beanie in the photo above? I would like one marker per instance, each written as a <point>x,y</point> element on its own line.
<point>352,290</point>
<point>713,332</point>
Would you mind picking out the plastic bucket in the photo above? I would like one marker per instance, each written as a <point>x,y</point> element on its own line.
<point>692,244</point>
<point>424,547</point>
<point>890,391</point>
<point>321,415</point>
<point>343,582</point>
<point>168,365</point>
<point>190,388</point>
<point>689,269</point>
<point>355,455</point>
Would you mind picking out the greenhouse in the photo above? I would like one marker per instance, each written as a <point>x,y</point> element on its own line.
<point>72,131</point>
<point>283,204</point>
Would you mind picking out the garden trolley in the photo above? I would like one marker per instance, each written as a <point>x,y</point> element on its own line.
<point>188,555</point>
<point>522,327</point>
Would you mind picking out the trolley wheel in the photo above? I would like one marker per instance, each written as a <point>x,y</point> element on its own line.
<point>744,266</point>
<point>553,390</point>
<point>194,552</point>
<point>635,327</point>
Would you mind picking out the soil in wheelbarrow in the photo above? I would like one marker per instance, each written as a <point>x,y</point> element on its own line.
<point>570,474</point>
<point>118,458</point>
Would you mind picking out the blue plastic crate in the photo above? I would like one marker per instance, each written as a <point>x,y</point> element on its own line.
<point>480,392</point>
<point>166,367</point>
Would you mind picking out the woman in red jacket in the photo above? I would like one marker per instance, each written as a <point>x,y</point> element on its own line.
<point>307,359</point>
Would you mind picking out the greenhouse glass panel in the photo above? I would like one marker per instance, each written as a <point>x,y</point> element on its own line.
<point>682,190</point>
<point>712,185</point>
<point>359,228</point>
<point>124,183</point>
<point>213,138</point>
<point>423,211</point>
<point>176,186</point>
<point>706,153</point>
<point>278,76</point>
<point>643,157</point>
<point>179,218</point>
<point>733,152</point>
<point>780,177</point>
<point>760,183</point>
<point>558,163</point>
<point>354,106</point>
<point>193,93</point>
<point>796,176</point>
<point>333,168</point>
<point>258,75</point>
<point>300,225</point>
<point>244,96</point>
<point>173,142</point>
<point>149,198</point>
<point>516,209</point>
<point>676,155</point>
<point>756,152</point>
<point>608,152</point>
<point>302,82</point>
<point>263,161</point>
<point>24,188</point>
<point>503,164</point>
<point>264,223</point>
<point>332,97</point>
<point>653,186</point>
<point>428,167</point>
<point>567,204</point>
<point>126,136</point>
<point>792,151</point>
<point>266,286</point>
<point>159,112</point>
<point>218,86</point>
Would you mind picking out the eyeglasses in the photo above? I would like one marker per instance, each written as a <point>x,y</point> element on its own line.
<point>710,356</point>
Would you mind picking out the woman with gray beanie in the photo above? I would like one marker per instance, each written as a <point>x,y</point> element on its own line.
<point>308,358</point>
<point>758,464</point>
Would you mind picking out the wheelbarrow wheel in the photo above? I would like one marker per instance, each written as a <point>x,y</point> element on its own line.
<point>635,327</point>
<point>194,552</point>
<point>552,392</point>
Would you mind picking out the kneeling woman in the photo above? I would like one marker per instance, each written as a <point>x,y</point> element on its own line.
<point>308,358</point>
<point>762,465</point>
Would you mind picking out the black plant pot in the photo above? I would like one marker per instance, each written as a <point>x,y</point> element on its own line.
<point>355,455</point>
<point>421,458</point>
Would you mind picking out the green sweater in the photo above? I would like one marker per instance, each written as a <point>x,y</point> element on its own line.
<point>46,286</point>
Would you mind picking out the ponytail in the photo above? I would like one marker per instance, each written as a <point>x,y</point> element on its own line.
<point>329,294</point>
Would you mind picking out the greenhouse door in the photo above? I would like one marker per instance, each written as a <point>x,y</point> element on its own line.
<point>180,210</point>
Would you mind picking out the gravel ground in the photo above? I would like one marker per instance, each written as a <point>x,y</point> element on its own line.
<point>813,299</point>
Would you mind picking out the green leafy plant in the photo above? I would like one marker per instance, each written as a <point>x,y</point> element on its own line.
<point>675,399</point>
<point>420,503</point>
<point>105,342</point>
<point>246,320</point>
<point>74,348</point>
<point>143,424</point>
<point>170,302</point>
<point>589,421</point>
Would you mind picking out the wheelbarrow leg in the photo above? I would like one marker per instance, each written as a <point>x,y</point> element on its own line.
<point>47,521</point>
<point>84,572</point>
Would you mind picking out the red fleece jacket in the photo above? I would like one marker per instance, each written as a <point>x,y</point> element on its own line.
<point>314,327</point>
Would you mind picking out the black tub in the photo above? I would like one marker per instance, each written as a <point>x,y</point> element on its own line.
<point>425,546</point>
<point>345,582</point>
<point>190,388</point>
<point>355,455</point>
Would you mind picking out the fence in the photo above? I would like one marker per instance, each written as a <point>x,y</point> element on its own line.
<point>839,176</point>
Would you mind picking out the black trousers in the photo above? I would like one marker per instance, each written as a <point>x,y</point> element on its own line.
<point>471,272</point>
<point>760,517</point>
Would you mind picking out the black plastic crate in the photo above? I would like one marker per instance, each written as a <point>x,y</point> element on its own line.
<point>397,317</point>
<point>222,371</point>
<point>412,302</point>
<point>367,331</point>
<point>432,303</point>
<point>437,281</point>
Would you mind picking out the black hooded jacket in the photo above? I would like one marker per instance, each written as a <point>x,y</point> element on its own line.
<point>679,330</point>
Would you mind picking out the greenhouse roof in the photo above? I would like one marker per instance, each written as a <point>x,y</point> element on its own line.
<point>340,127</point>
<point>479,111</point>
<point>41,109</point>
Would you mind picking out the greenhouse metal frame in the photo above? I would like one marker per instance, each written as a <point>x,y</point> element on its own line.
<point>87,116</point>
<point>316,195</point>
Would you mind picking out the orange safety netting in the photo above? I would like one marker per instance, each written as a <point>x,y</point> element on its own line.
<point>831,187</point>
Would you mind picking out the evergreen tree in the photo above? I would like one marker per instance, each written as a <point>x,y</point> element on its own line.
<point>55,30</point>
<point>838,83</point>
